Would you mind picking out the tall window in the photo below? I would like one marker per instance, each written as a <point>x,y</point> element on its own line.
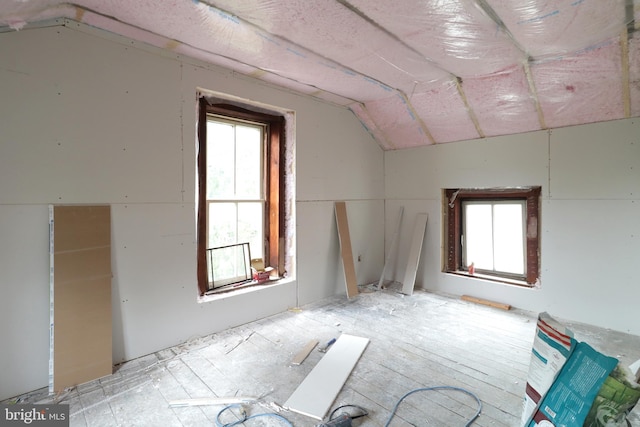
<point>235,184</point>
<point>493,233</point>
<point>239,188</point>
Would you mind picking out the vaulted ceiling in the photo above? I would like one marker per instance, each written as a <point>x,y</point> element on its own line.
<point>415,72</point>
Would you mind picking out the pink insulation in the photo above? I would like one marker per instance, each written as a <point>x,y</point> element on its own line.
<point>502,102</point>
<point>414,72</point>
<point>584,87</point>
<point>370,125</point>
<point>441,105</point>
<point>456,35</point>
<point>634,75</point>
<point>333,31</point>
<point>552,27</point>
<point>16,14</point>
<point>396,120</point>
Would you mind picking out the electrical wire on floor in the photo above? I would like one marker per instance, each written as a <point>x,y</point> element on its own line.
<point>244,417</point>
<point>442,387</point>
<point>344,419</point>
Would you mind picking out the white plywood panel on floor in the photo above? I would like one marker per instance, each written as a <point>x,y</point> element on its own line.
<point>316,393</point>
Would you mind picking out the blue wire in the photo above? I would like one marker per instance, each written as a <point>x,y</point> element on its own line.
<point>245,418</point>
<point>443,387</point>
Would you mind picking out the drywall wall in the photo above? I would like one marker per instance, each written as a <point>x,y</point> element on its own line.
<point>590,232</point>
<point>88,117</point>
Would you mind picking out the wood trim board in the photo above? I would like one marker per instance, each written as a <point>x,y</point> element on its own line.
<point>81,331</point>
<point>302,354</point>
<point>486,302</point>
<point>345,249</point>
<point>414,253</point>
<point>317,392</point>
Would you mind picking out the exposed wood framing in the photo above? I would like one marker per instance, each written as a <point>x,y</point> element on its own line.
<point>626,98</point>
<point>534,95</point>
<point>472,114</point>
<point>415,114</point>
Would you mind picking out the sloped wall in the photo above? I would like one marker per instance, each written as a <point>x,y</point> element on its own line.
<point>590,178</point>
<point>88,117</point>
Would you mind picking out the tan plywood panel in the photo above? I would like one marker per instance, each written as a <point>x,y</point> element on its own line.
<point>81,290</point>
<point>81,227</point>
<point>346,250</point>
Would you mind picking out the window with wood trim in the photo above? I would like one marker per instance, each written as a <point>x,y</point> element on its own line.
<point>493,233</point>
<point>240,189</point>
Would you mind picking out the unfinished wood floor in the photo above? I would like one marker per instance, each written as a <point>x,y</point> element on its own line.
<point>419,341</point>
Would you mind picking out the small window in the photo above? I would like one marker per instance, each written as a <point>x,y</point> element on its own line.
<point>239,194</point>
<point>493,233</point>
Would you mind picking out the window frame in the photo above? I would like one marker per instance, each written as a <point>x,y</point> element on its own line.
<point>274,183</point>
<point>453,228</point>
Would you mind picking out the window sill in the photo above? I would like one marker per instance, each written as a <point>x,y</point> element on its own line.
<point>494,279</point>
<point>242,289</point>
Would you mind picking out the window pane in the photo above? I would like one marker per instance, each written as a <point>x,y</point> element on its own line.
<point>478,236</point>
<point>222,224</point>
<point>508,238</point>
<point>248,162</point>
<point>230,264</point>
<point>220,160</point>
<point>250,224</point>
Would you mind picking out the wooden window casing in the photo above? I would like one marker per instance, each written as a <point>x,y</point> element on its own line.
<point>274,153</point>
<point>453,199</point>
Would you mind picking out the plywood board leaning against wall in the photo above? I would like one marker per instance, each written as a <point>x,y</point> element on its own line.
<point>414,254</point>
<point>81,332</point>
<point>346,250</point>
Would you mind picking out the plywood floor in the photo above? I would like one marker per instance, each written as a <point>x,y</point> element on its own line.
<point>417,341</point>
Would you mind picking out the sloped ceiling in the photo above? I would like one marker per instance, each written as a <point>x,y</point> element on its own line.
<point>415,72</point>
